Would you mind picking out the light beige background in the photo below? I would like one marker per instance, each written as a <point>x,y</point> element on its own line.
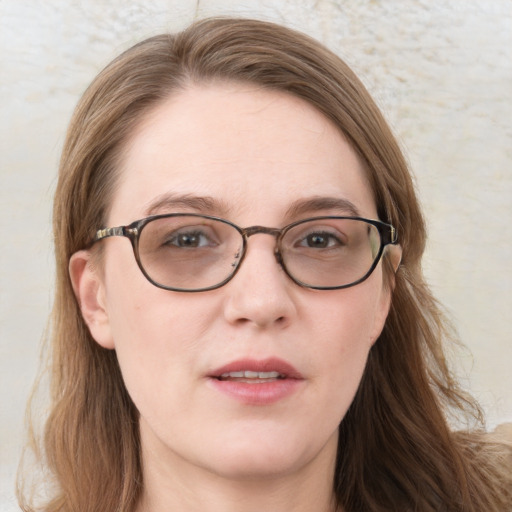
<point>441,71</point>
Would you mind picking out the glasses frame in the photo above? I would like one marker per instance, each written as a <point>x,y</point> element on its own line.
<point>387,233</point>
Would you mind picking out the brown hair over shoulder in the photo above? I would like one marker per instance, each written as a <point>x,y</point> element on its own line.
<point>396,450</point>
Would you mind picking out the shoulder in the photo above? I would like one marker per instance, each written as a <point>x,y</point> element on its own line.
<point>502,435</point>
<point>503,432</point>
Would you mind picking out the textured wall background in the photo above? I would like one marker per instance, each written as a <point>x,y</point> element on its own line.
<point>441,71</point>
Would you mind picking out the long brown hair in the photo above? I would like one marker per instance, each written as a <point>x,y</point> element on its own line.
<point>396,450</point>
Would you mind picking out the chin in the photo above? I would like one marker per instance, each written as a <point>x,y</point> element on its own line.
<point>257,468</point>
<point>253,458</point>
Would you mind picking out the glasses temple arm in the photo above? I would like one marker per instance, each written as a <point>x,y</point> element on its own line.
<point>106,232</point>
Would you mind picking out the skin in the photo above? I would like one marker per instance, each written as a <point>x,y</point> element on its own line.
<point>255,153</point>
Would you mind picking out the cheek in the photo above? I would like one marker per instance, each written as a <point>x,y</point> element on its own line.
<point>143,323</point>
<point>345,335</point>
<point>350,316</point>
<point>157,350</point>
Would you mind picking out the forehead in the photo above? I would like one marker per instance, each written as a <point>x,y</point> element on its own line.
<point>255,151</point>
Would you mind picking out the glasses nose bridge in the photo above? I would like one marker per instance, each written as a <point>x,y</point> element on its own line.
<point>254,230</point>
<point>275,232</point>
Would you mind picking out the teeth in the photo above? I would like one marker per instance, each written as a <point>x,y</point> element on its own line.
<point>233,375</point>
<point>251,375</point>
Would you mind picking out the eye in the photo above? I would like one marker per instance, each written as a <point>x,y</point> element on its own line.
<point>189,239</point>
<point>320,240</point>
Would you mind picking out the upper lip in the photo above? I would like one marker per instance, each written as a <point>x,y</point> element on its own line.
<point>273,364</point>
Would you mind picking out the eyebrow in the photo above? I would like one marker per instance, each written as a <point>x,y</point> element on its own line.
<point>200,204</point>
<point>317,204</point>
<point>170,202</point>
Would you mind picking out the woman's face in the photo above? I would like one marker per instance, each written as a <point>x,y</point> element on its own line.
<point>258,157</point>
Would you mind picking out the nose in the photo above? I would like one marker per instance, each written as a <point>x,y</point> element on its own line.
<point>260,294</point>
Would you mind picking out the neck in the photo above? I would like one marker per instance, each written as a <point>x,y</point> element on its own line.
<point>194,489</point>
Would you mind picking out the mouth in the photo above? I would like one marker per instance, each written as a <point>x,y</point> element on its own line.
<point>257,382</point>
<point>255,371</point>
<point>250,377</point>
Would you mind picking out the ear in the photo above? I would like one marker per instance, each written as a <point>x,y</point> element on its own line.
<point>394,254</point>
<point>381,313</point>
<point>90,292</point>
<point>391,263</point>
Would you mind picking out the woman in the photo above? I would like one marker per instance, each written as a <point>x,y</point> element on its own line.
<point>264,339</point>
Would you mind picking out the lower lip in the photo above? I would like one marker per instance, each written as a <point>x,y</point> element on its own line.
<point>264,393</point>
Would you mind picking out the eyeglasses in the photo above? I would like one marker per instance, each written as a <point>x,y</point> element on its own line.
<point>194,253</point>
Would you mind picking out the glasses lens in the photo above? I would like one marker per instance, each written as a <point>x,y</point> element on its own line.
<point>328,253</point>
<point>188,252</point>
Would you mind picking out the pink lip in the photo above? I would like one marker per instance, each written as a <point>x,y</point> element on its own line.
<point>258,393</point>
